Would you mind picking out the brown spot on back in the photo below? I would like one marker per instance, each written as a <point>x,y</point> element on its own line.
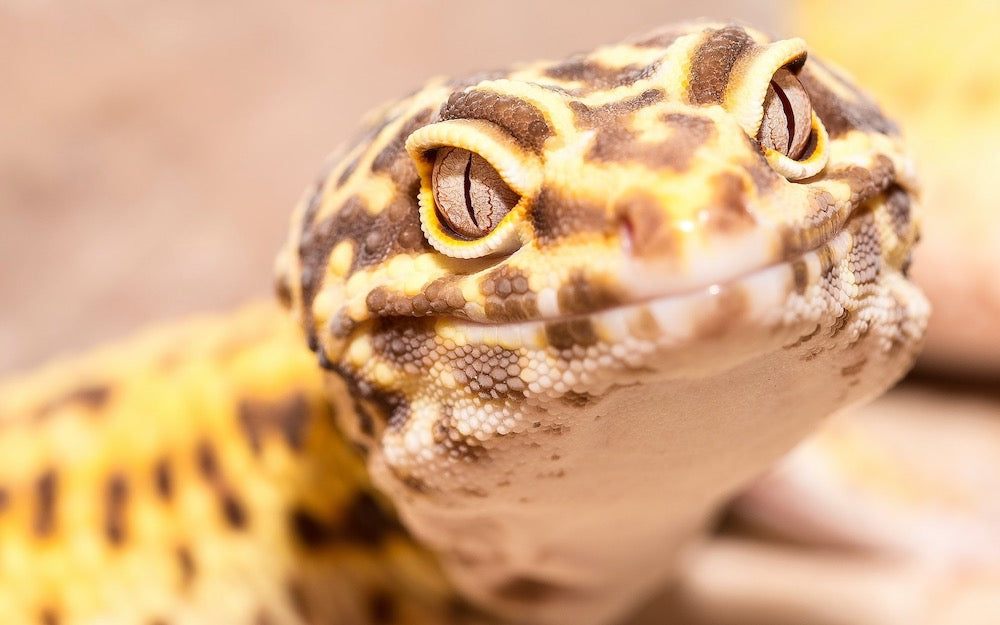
<point>361,522</point>
<point>115,498</point>
<point>45,502</point>
<point>564,334</point>
<point>521,119</point>
<point>713,61</point>
<point>287,415</point>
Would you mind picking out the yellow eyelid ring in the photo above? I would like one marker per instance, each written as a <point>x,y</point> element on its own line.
<point>812,164</point>
<point>520,169</point>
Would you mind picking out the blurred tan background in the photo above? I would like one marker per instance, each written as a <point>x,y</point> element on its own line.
<point>150,152</point>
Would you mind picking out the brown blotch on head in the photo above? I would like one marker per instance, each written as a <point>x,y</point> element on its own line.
<point>583,294</point>
<point>233,511</point>
<point>46,489</point>
<point>163,479</point>
<point>616,143</point>
<point>713,61</point>
<point>116,493</point>
<point>565,334</point>
<point>393,158</point>
<point>611,113</point>
<point>524,589</point>
<point>288,416</point>
<point>597,75</point>
<point>521,119</point>
<point>644,226</point>
<point>840,115</point>
<point>555,217</point>
<point>730,307</point>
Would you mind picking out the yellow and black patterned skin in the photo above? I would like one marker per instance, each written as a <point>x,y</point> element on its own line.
<point>554,406</point>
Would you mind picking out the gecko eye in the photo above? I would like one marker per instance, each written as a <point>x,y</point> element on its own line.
<point>469,193</point>
<point>787,123</point>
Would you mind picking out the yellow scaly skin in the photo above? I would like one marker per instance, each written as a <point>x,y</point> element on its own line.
<point>555,409</point>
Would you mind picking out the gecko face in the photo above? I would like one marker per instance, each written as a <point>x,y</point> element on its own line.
<point>495,256</point>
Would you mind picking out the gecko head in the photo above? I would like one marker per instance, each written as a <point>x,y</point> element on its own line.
<point>499,256</point>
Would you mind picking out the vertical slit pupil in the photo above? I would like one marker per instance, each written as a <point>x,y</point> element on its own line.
<point>468,190</point>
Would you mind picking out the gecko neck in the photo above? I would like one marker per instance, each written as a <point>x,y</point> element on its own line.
<point>579,522</point>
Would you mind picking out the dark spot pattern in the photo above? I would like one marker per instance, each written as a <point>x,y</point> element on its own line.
<point>46,489</point>
<point>288,416</point>
<point>713,61</point>
<point>522,120</point>
<point>163,479</point>
<point>361,522</point>
<point>116,494</point>
<point>49,616</point>
<point>232,510</point>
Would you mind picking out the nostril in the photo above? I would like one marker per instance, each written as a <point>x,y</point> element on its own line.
<point>643,226</point>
